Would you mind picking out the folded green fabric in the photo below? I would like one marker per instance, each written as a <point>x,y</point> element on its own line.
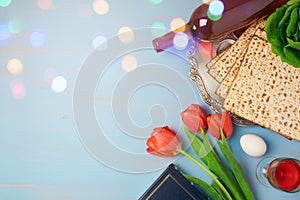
<point>283,32</point>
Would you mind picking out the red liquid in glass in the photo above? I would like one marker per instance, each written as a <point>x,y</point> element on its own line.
<point>284,175</point>
<point>287,175</point>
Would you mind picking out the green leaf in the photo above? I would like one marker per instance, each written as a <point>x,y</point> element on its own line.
<point>292,53</point>
<point>298,32</point>
<point>272,26</point>
<point>206,187</point>
<point>283,30</point>
<point>214,163</point>
<point>207,146</point>
<point>295,46</point>
<point>290,2</point>
<point>236,168</point>
<point>222,171</point>
<point>292,25</point>
<point>218,189</point>
<point>290,40</point>
<point>278,50</point>
<point>287,13</point>
<point>195,142</point>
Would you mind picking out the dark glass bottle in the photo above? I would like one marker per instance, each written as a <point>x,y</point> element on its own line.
<point>236,15</point>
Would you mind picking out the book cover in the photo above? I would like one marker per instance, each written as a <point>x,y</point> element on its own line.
<point>172,185</point>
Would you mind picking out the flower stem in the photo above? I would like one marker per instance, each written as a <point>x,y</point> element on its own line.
<point>207,171</point>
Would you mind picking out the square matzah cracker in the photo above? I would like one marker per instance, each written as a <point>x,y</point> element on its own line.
<point>214,60</point>
<point>266,91</point>
<point>225,85</point>
<point>223,65</point>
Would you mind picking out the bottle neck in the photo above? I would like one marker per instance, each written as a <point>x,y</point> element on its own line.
<point>248,11</point>
<point>166,41</point>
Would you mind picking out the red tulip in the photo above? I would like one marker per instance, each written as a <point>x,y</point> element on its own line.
<point>194,118</point>
<point>220,121</point>
<point>163,142</point>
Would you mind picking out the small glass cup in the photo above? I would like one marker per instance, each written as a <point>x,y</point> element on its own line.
<point>280,173</point>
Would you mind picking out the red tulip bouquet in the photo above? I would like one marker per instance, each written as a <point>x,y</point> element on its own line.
<point>227,182</point>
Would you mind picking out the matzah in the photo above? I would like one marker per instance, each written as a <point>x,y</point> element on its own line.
<point>266,91</point>
<point>220,69</point>
<point>225,85</point>
<point>214,60</point>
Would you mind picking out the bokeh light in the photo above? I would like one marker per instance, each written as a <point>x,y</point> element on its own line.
<point>178,25</point>
<point>17,89</point>
<point>206,1</point>
<point>126,35</point>
<point>216,7</point>
<point>213,17</point>
<point>101,7</point>
<point>156,1</point>
<point>100,43</point>
<point>15,26</point>
<point>180,41</point>
<point>4,3</point>
<point>14,66</point>
<point>44,4</point>
<point>59,84</point>
<point>158,29</point>
<point>215,10</point>
<point>4,32</point>
<point>129,63</point>
<point>37,39</point>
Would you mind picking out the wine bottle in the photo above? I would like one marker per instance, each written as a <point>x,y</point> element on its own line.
<point>205,25</point>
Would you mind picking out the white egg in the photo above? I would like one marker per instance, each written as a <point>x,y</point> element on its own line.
<point>253,145</point>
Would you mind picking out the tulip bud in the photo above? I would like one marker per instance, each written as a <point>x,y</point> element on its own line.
<point>194,118</point>
<point>163,142</point>
<point>219,121</point>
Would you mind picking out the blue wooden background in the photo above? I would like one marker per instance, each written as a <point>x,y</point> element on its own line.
<point>44,47</point>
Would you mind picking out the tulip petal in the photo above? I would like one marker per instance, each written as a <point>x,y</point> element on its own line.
<point>163,142</point>
<point>220,121</point>
<point>227,124</point>
<point>214,121</point>
<point>194,118</point>
<point>153,152</point>
<point>151,142</point>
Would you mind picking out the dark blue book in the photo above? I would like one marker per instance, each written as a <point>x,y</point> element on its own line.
<point>172,185</point>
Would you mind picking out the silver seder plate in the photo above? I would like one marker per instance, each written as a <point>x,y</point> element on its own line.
<point>205,83</point>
